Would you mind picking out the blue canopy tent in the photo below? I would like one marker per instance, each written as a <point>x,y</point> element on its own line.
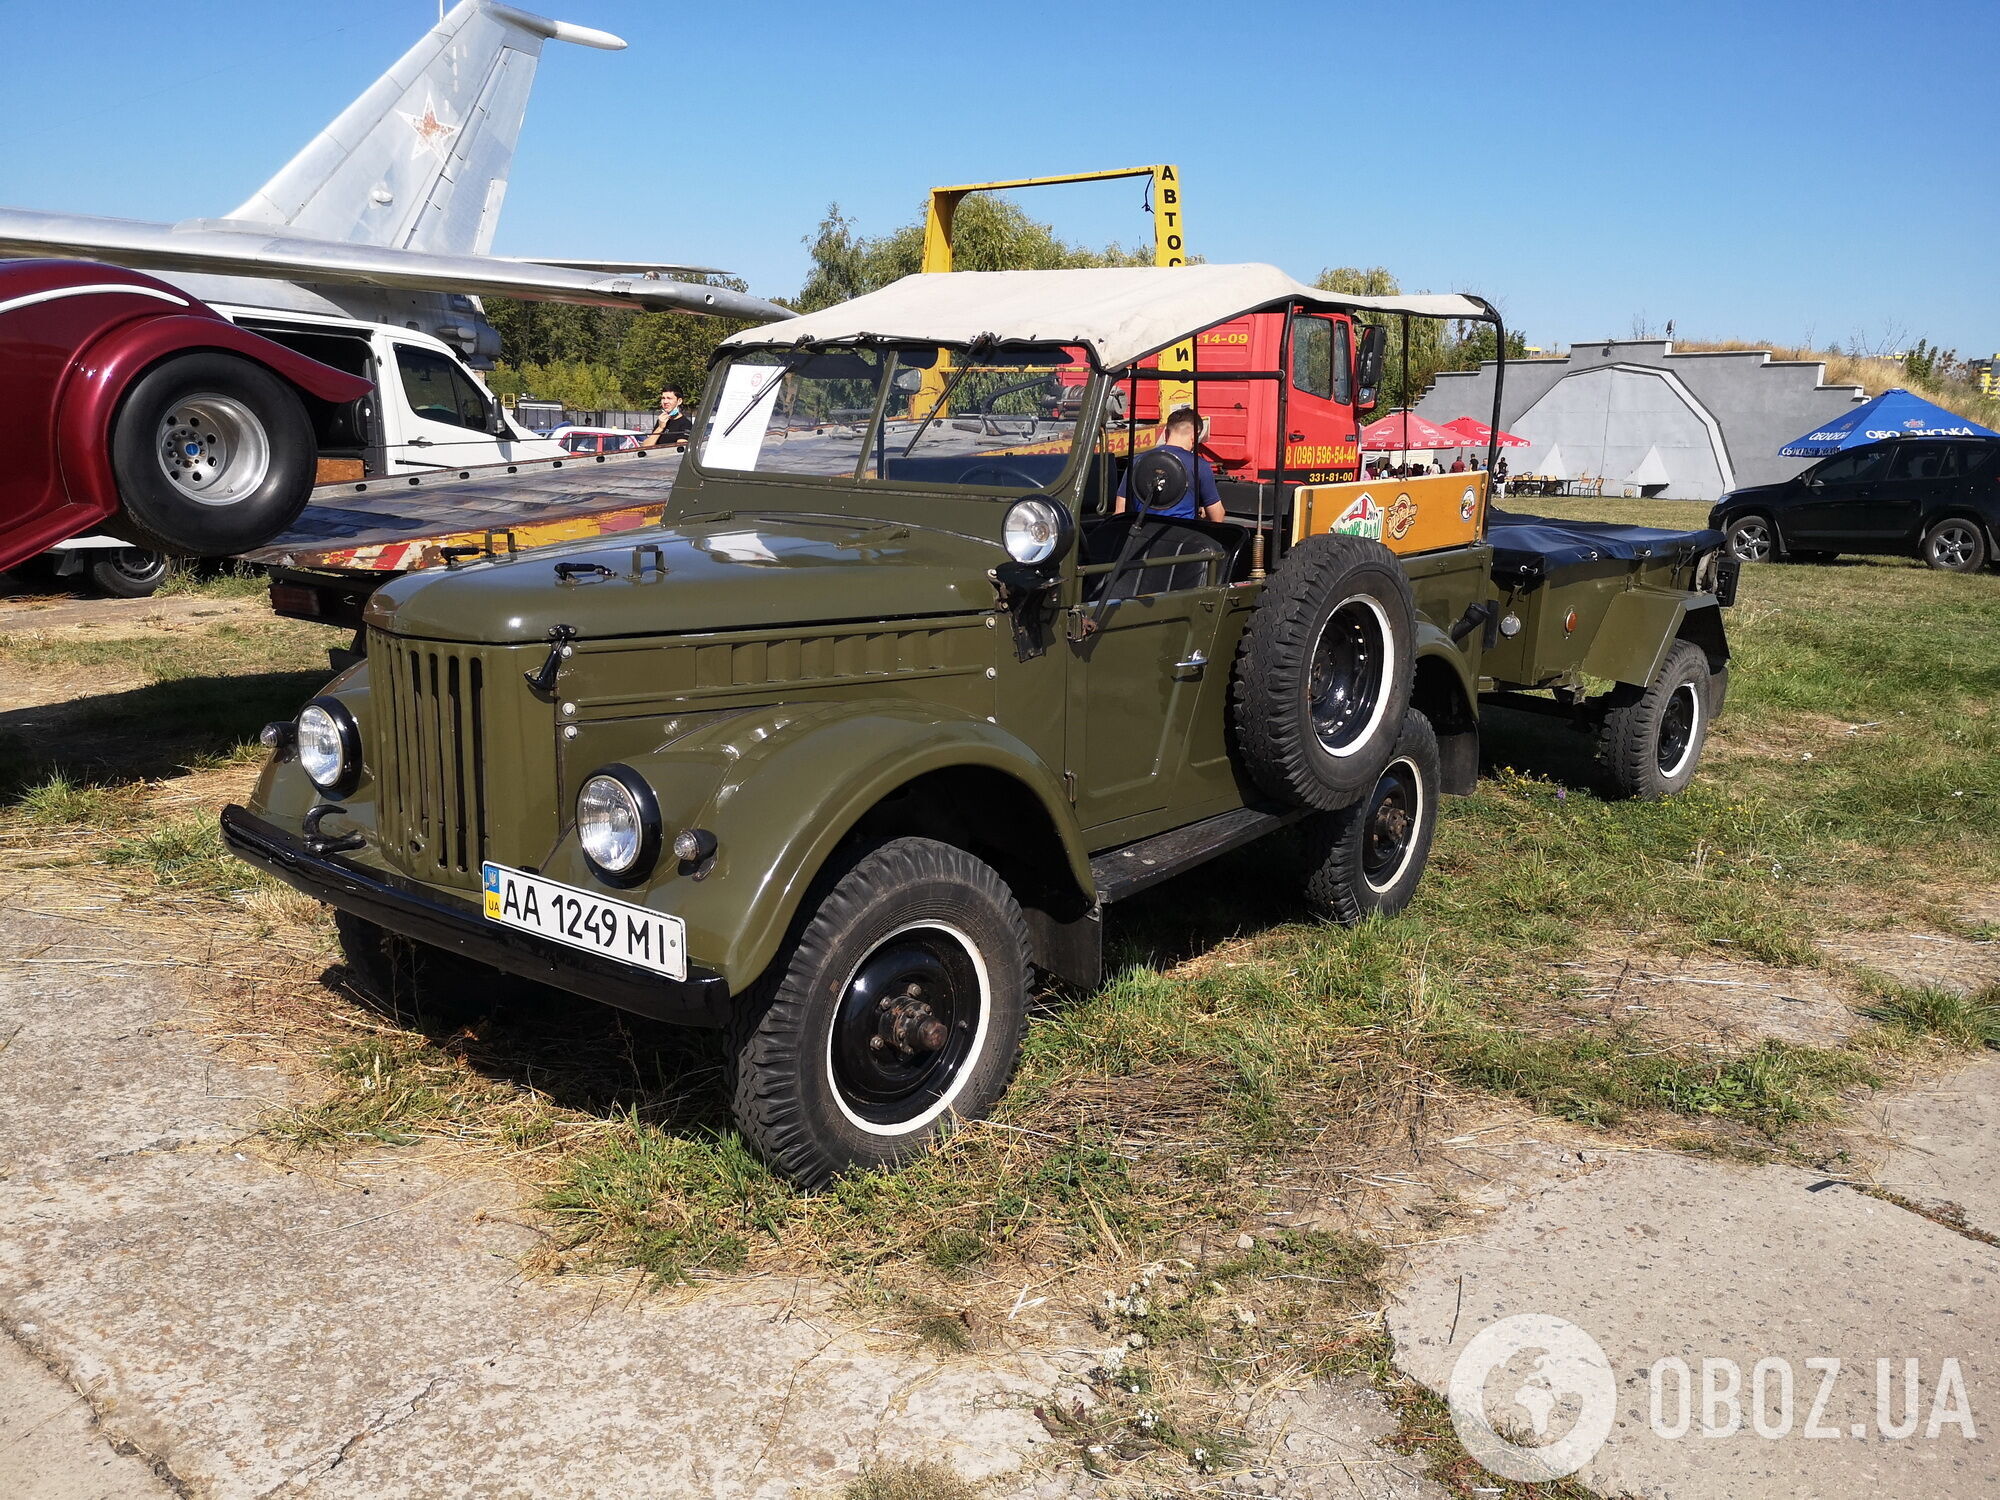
<point>1892,414</point>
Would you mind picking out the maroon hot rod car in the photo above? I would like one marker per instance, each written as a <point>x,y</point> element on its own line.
<point>134,409</point>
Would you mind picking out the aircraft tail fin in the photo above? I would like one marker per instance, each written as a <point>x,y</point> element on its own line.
<point>420,161</point>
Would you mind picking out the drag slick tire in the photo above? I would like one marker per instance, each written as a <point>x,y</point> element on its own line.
<point>212,454</point>
<point>1752,538</point>
<point>1651,741</point>
<point>1323,675</point>
<point>1955,545</point>
<point>896,1007</point>
<point>1367,860</point>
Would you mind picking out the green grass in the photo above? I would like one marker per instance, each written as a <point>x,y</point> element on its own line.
<point>216,580</point>
<point>1955,1018</point>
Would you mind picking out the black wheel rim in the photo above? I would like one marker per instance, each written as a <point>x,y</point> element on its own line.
<point>1344,690</point>
<point>908,1025</point>
<point>1677,726</point>
<point>1389,832</point>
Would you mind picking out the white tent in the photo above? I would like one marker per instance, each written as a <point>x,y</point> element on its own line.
<point>1550,464</point>
<point>1652,471</point>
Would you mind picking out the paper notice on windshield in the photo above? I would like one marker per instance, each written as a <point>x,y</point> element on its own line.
<point>736,433</point>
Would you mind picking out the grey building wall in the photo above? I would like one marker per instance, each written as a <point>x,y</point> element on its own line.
<point>1715,421</point>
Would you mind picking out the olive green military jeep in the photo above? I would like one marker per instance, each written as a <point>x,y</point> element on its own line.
<point>902,694</point>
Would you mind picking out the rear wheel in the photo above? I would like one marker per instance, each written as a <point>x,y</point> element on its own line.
<point>127,572</point>
<point>1751,538</point>
<point>1368,859</point>
<point>1323,677</point>
<point>896,1009</point>
<point>1651,741</point>
<point>1955,545</point>
<point>213,455</point>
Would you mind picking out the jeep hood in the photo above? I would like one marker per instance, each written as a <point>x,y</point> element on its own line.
<point>738,573</point>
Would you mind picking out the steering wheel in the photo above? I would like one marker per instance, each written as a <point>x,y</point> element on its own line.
<point>1003,474</point>
<point>1157,481</point>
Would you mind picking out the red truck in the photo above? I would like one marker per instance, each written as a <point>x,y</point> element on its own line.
<point>138,411</point>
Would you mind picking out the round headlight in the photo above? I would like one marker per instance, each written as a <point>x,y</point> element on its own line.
<point>618,823</point>
<point>1033,530</point>
<point>329,745</point>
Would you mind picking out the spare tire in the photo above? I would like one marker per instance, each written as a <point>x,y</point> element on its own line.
<point>213,455</point>
<point>1323,674</point>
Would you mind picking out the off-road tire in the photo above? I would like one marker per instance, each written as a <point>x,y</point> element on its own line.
<point>1651,741</point>
<point>1957,544</point>
<point>1272,694</point>
<point>408,979</point>
<point>786,1088</point>
<point>1359,863</point>
<point>1752,537</point>
<point>274,448</point>
<point>127,573</point>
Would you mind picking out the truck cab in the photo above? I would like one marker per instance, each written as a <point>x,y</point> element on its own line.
<point>429,411</point>
<point>898,697</point>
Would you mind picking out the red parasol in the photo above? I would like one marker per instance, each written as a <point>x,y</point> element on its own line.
<point>1403,430</point>
<point>1477,434</point>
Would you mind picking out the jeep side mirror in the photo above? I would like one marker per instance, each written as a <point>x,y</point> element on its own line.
<point>1368,360</point>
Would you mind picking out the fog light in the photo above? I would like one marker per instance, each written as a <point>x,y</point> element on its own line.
<point>1035,531</point>
<point>693,845</point>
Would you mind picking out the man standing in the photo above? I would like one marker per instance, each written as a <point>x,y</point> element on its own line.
<point>674,427</point>
<point>1201,498</point>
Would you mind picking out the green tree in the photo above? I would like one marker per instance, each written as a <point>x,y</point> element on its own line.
<point>988,234</point>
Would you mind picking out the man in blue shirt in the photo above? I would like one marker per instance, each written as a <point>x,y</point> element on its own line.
<point>1201,498</point>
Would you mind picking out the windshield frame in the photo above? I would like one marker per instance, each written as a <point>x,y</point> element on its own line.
<point>880,436</point>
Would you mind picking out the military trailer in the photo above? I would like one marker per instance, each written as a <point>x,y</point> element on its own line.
<point>851,752</point>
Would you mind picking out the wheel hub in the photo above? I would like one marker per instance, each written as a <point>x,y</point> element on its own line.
<point>1345,682</point>
<point>905,1026</point>
<point>1391,824</point>
<point>213,448</point>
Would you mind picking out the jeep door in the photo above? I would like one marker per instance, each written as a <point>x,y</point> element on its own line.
<point>1839,494</point>
<point>1135,681</point>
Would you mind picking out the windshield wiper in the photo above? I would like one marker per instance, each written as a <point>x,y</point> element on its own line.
<point>793,361</point>
<point>977,347</point>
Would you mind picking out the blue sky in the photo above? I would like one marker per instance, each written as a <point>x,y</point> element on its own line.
<point>1771,170</point>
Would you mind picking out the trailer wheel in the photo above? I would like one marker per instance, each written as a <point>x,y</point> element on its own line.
<point>127,572</point>
<point>1651,741</point>
<point>1324,672</point>
<point>1366,860</point>
<point>212,454</point>
<point>897,1007</point>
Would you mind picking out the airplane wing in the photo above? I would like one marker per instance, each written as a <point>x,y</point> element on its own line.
<point>627,267</point>
<point>234,247</point>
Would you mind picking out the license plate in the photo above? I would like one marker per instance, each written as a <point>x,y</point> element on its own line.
<point>564,914</point>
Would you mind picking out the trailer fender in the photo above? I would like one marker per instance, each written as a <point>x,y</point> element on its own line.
<point>1637,628</point>
<point>794,785</point>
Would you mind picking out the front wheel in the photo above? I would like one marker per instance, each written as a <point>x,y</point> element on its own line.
<point>896,1009</point>
<point>127,572</point>
<point>1955,545</point>
<point>1751,539</point>
<point>213,455</point>
<point>1651,741</point>
<point>1367,860</point>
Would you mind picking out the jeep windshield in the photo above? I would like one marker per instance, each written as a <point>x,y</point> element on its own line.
<point>908,414</point>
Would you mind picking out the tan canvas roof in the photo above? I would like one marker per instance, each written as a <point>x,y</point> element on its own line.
<point>1124,313</point>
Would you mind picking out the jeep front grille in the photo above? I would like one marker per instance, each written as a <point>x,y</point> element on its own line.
<point>431,752</point>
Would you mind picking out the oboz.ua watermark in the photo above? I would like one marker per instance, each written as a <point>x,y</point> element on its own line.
<point>1533,1397</point>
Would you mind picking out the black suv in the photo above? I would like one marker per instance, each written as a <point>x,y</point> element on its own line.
<point>1933,498</point>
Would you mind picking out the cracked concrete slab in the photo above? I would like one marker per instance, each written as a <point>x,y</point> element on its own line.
<point>50,1446</point>
<point>1657,1256</point>
<point>1948,1151</point>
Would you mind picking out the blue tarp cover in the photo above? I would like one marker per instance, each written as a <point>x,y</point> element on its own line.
<point>1892,414</point>
<point>1527,548</point>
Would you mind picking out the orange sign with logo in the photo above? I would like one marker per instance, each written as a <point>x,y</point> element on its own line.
<point>1407,516</point>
